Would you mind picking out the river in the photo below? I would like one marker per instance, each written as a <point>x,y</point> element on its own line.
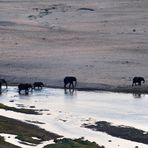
<point>64,112</point>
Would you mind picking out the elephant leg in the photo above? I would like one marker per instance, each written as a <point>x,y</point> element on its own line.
<point>65,85</point>
<point>31,90</point>
<point>69,85</point>
<point>19,91</point>
<point>26,91</point>
<point>72,85</point>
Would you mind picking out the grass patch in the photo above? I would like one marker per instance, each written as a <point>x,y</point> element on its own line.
<point>69,143</point>
<point>20,110</point>
<point>25,131</point>
<point>125,132</point>
<point>4,144</point>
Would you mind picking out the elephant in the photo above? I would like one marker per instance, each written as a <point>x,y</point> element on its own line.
<point>72,81</point>
<point>3,81</point>
<point>38,85</point>
<point>26,87</point>
<point>138,80</point>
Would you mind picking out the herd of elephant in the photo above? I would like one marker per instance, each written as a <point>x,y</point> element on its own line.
<point>70,82</point>
<point>26,87</point>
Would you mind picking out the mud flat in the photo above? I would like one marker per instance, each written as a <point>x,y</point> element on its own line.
<point>24,132</point>
<point>31,135</point>
<point>124,132</point>
<point>103,43</point>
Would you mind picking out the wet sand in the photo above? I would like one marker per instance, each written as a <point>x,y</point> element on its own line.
<point>121,131</point>
<point>103,43</point>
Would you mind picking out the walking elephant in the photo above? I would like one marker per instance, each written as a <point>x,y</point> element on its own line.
<point>72,81</point>
<point>38,85</point>
<point>26,87</point>
<point>138,81</point>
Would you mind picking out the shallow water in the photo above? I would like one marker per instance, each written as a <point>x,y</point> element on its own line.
<point>64,113</point>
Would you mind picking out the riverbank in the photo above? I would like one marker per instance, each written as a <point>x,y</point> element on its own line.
<point>25,132</point>
<point>121,131</point>
<point>81,86</point>
<point>97,42</point>
<point>31,135</point>
<point>65,113</point>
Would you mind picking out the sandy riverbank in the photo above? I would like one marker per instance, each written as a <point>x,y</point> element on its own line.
<point>102,43</point>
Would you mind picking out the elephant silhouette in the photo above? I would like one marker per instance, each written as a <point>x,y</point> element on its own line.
<point>138,81</point>
<point>38,85</point>
<point>72,81</point>
<point>3,81</point>
<point>26,87</point>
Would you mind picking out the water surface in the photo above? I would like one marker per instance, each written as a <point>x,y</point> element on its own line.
<point>64,113</point>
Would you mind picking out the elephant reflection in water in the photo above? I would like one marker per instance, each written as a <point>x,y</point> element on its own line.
<point>69,92</point>
<point>3,81</point>
<point>137,95</point>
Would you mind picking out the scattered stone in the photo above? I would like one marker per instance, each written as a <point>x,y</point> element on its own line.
<point>32,17</point>
<point>86,9</point>
<point>43,38</point>
<point>11,101</point>
<point>63,120</point>
<point>41,110</point>
<point>35,9</point>
<point>109,140</point>
<point>32,106</point>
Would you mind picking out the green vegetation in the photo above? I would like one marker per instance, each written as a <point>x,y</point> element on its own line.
<point>25,131</point>
<point>69,143</point>
<point>4,144</point>
<point>21,110</point>
<point>125,132</point>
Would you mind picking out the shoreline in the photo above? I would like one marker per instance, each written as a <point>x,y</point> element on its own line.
<point>81,86</point>
<point>120,131</point>
<point>104,49</point>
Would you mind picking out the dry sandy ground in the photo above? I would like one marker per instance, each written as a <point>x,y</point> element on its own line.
<point>98,41</point>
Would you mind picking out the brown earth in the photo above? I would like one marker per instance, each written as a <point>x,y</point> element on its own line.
<point>101,42</point>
